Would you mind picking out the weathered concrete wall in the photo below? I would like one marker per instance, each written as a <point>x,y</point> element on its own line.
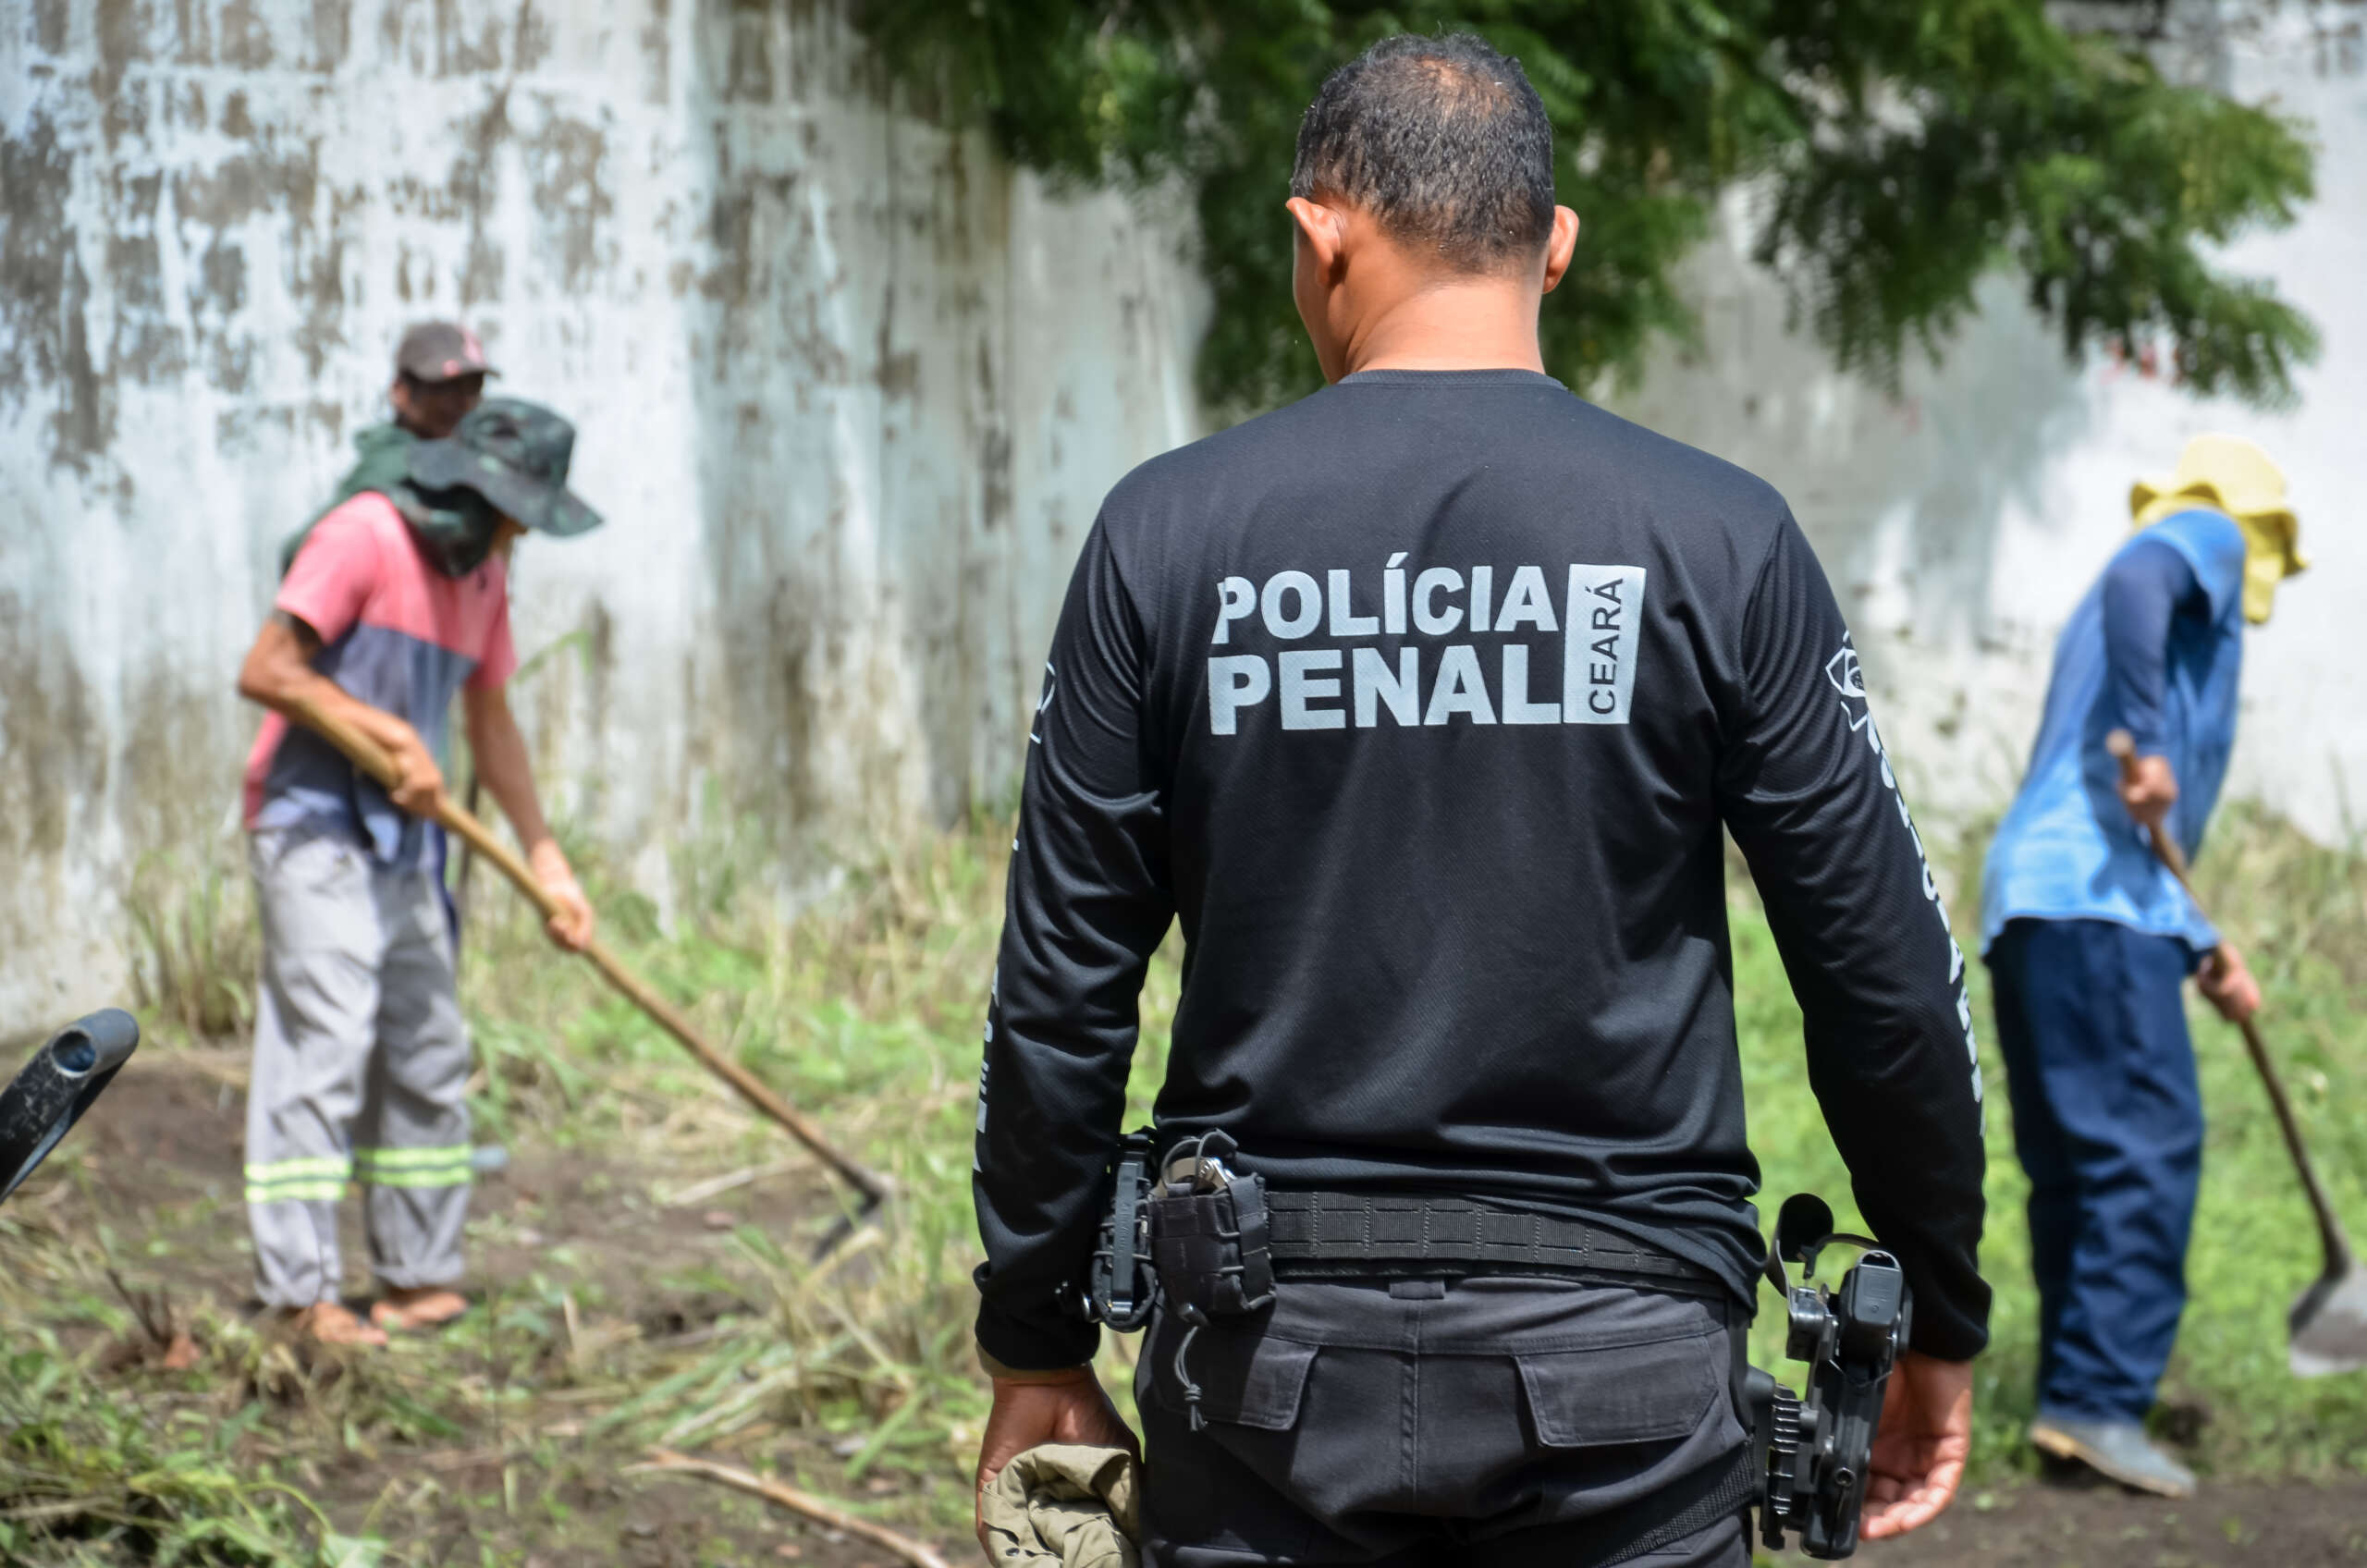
<point>850,392</point>
<point>847,389</point>
<point>1964,520</point>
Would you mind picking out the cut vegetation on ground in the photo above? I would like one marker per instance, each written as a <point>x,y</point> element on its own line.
<point>645,1276</point>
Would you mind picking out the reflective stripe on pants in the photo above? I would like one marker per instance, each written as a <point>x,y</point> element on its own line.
<point>360,1061</point>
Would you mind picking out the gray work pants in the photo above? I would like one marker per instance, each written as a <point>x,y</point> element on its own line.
<point>1503,1422</point>
<point>360,1061</point>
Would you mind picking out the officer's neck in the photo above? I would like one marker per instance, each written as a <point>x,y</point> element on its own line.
<point>1461,323</point>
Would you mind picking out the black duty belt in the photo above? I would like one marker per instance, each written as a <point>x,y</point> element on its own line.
<point>1338,1235</point>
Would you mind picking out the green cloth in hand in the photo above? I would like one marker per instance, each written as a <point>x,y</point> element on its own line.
<point>1065,1504</point>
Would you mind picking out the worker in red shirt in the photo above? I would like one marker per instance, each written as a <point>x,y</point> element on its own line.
<point>397,600</point>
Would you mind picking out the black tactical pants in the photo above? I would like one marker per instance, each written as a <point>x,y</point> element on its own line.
<point>1504,1422</point>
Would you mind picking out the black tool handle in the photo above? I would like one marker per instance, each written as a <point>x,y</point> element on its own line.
<point>58,1087</point>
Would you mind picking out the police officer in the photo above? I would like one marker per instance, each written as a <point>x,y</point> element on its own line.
<point>1425,705</point>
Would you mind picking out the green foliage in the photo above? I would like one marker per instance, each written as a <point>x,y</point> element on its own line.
<point>508,1439</point>
<point>1906,148</point>
<point>94,1473</point>
<point>193,940</point>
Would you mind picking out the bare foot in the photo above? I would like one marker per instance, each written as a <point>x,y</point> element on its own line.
<point>327,1323</point>
<point>425,1306</point>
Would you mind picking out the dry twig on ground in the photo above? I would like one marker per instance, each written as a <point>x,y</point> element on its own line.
<point>663,1460</point>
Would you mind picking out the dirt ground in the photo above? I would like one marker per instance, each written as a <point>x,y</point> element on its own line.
<point>160,1161</point>
<point>158,1164</point>
<point>2068,1525</point>
<point>165,1143</point>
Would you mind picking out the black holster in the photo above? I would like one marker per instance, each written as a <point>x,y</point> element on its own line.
<point>1120,1288</point>
<point>1209,1234</point>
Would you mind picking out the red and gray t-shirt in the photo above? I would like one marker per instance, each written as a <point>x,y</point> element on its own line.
<point>395,633</point>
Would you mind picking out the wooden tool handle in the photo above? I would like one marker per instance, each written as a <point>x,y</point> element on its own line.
<point>372,759</point>
<point>2123,747</point>
<point>2331,1235</point>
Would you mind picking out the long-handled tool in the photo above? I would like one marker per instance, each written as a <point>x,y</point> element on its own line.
<point>44,1100</point>
<point>2327,1326</point>
<point>372,759</point>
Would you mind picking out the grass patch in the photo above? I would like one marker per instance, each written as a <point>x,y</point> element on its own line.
<point>194,942</point>
<point>616,1316</point>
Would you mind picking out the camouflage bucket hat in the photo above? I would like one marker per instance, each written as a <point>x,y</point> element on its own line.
<point>515,454</point>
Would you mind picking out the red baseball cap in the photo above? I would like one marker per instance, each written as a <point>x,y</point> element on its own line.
<point>441,351</point>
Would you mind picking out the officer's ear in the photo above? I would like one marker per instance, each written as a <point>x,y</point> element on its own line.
<point>1560,246</point>
<point>1322,236</point>
<point>1319,276</point>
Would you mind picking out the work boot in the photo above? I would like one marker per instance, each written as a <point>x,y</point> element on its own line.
<point>2118,1451</point>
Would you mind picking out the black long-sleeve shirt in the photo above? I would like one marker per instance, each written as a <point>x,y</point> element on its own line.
<point>1421,704</point>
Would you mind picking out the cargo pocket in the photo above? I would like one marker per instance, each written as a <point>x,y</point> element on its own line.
<point>1624,1393</point>
<point>1245,1378</point>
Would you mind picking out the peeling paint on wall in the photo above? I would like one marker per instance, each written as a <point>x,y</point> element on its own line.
<point>847,387</point>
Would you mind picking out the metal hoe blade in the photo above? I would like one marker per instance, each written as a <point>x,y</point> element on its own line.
<point>848,1226</point>
<point>2329,1323</point>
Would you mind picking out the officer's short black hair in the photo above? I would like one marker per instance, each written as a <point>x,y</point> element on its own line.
<point>1443,141</point>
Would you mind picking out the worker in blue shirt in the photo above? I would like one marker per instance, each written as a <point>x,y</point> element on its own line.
<point>2088,938</point>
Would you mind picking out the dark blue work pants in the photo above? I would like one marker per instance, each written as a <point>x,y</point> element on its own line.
<point>2108,1122</point>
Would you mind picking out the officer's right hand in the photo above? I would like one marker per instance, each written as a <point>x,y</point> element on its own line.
<point>419,783</point>
<point>1920,1449</point>
<point>1034,1408</point>
<point>2148,788</point>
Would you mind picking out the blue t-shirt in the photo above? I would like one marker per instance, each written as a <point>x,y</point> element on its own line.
<point>2067,848</point>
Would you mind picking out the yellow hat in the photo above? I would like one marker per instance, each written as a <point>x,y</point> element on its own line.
<point>2233,475</point>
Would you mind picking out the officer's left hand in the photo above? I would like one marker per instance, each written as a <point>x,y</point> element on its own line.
<point>1034,1408</point>
<point>2228,984</point>
<point>1922,1446</point>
